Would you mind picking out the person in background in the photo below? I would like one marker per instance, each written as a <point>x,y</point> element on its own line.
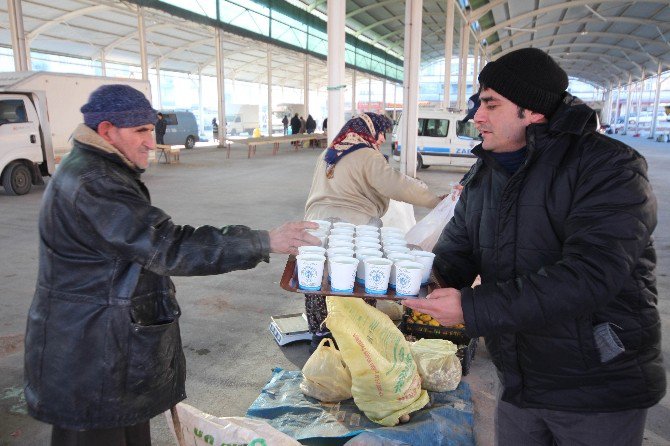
<point>303,125</point>
<point>310,125</point>
<point>295,125</point>
<point>558,221</point>
<point>354,183</point>
<point>215,130</point>
<point>324,126</point>
<point>160,128</point>
<point>285,124</point>
<point>103,351</point>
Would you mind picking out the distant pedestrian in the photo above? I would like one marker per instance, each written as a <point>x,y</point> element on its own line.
<point>303,125</point>
<point>295,124</point>
<point>160,128</point>
<point>310,124</point>
<point>215,130</point>
<point>324,126</point>
<point>285,123</point>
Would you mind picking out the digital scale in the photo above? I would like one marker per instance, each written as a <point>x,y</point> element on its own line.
<point>290,328</point>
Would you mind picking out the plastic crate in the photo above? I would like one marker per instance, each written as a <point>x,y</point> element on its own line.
<point>467,347</point>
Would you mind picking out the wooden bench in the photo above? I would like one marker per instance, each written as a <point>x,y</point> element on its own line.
<point>169,153</point>
<point>295,140</point>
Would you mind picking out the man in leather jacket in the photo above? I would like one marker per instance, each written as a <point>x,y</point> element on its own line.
<point>103,351</point>
<point>558,221</point>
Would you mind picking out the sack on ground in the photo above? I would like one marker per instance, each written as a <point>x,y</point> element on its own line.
<point>325,376</point>
<point>202,429</point>
<point>438,365</point>
<point>399,215</point>
<point>427,231</point>
<point>385,381</point>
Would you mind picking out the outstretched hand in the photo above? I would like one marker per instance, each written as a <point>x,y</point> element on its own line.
<point>443,304</point>
<point>286,238</point>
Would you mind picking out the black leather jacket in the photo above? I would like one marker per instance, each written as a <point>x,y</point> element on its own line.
<point>563,245</point>
<point>103,347</point>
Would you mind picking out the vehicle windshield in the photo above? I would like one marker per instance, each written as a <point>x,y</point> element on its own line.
<point>467,130</point>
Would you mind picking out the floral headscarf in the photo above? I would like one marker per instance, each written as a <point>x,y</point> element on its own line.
<point>360,131</point>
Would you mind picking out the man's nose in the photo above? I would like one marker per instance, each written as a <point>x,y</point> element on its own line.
<point>480,115</point>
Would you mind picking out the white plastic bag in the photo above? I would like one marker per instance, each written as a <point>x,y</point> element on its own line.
<point>325,375</point>
<point>428,230</point>
<point>399,215</point>
<point>202,429</point>
<point>438,365</point>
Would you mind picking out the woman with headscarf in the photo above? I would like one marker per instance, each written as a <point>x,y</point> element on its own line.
<point>353,182</point>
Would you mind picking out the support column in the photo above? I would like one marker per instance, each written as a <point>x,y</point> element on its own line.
<point>448,53</point>
<point>618,102</point>
<point>639,104</point>
<point>628,102</point>
<point>335,62</point>
<point>657,97</point>
<point>354,110</point>
<point>269,117</point>
<point>21,53</point>
<point>201,109</point>
<point>220,86</point>
<point>143,43</point>
<point>159,99</point>
<point>395,102</point>
<point>463,66</point>
<point>384,98</point>
<point>103,63</point>
<point>475,68</point>
<point>305,91</point>
<point>413,23</point>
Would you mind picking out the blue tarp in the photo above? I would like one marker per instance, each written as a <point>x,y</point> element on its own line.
<point>446,420</point>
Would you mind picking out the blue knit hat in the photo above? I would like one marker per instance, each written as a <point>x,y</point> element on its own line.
<point>119,104</point>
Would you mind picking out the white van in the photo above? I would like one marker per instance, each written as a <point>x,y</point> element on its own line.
<point>443,139</point>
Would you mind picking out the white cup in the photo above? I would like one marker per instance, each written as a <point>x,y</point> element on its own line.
<point>361,255</point>
<point>341,251</point>
<point>377,272</point>
<point>367,228</point>
<point>310,271</point>
<point>426,259</point>
<point>395,248</point>
<point>392,230</point>
<point>341,237</point>
<point>342,231</point>
<point>341,244</point>
<point>342,273</point>
<point>307,249</point>
<point>366,238</point>
<point>368,245</point>
<point>323,224</point>
<point>408,278</point>
<point>320,234</point>
<point>396,257</point>
<point>343,224</point>
<point>395,242</point>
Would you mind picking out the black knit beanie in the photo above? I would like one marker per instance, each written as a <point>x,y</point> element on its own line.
<point>529,77</point>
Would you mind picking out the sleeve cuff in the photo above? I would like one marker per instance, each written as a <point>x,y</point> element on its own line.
<point>264,241</point>
<point>468,307</point>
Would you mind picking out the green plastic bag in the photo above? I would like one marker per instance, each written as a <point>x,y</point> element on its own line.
<point>385,381</point>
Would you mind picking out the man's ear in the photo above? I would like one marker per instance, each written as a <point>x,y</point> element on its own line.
<point>536,118</point>
<point>103,130</point>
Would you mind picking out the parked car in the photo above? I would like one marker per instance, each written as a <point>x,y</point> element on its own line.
<point>182,128</point>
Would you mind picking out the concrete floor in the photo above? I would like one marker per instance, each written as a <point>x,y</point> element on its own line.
<point>229,350</point>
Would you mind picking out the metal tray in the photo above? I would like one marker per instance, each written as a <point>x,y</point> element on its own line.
<point>289,282</point>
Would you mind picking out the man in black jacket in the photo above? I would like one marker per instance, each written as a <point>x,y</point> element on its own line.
<point>558,220</point>
<point>103,351</point>
<point>161,127</point>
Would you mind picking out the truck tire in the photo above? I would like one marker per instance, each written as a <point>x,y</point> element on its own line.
<point>17,179</point>
<point>190,142</point>
<point>419,162</point>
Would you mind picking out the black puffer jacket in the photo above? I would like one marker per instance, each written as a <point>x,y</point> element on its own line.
<point>103,347</point>
<point>562,245</point>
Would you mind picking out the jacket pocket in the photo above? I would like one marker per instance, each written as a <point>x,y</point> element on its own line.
<point>152,356</point>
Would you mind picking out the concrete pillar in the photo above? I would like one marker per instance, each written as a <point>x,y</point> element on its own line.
<point>143,43</point>
<point>103,63</point>
<point>657,97</point>
<point>269,116</point>
<point>629,100</point>
<point>159,99</point>
<point>220,86</point>
<point>201,111</point>
<point>618,101</point>
<point>335,62</point>
<point>305,90</point>
<point>475,68</point>
<point>413,23</point>
<point>353,94</point>
<point>463,72</point>
<point>448,53</point>
<point>19,48</point>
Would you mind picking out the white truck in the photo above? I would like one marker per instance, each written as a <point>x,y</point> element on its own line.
<point>38,113</point>
<point>242,118</point>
